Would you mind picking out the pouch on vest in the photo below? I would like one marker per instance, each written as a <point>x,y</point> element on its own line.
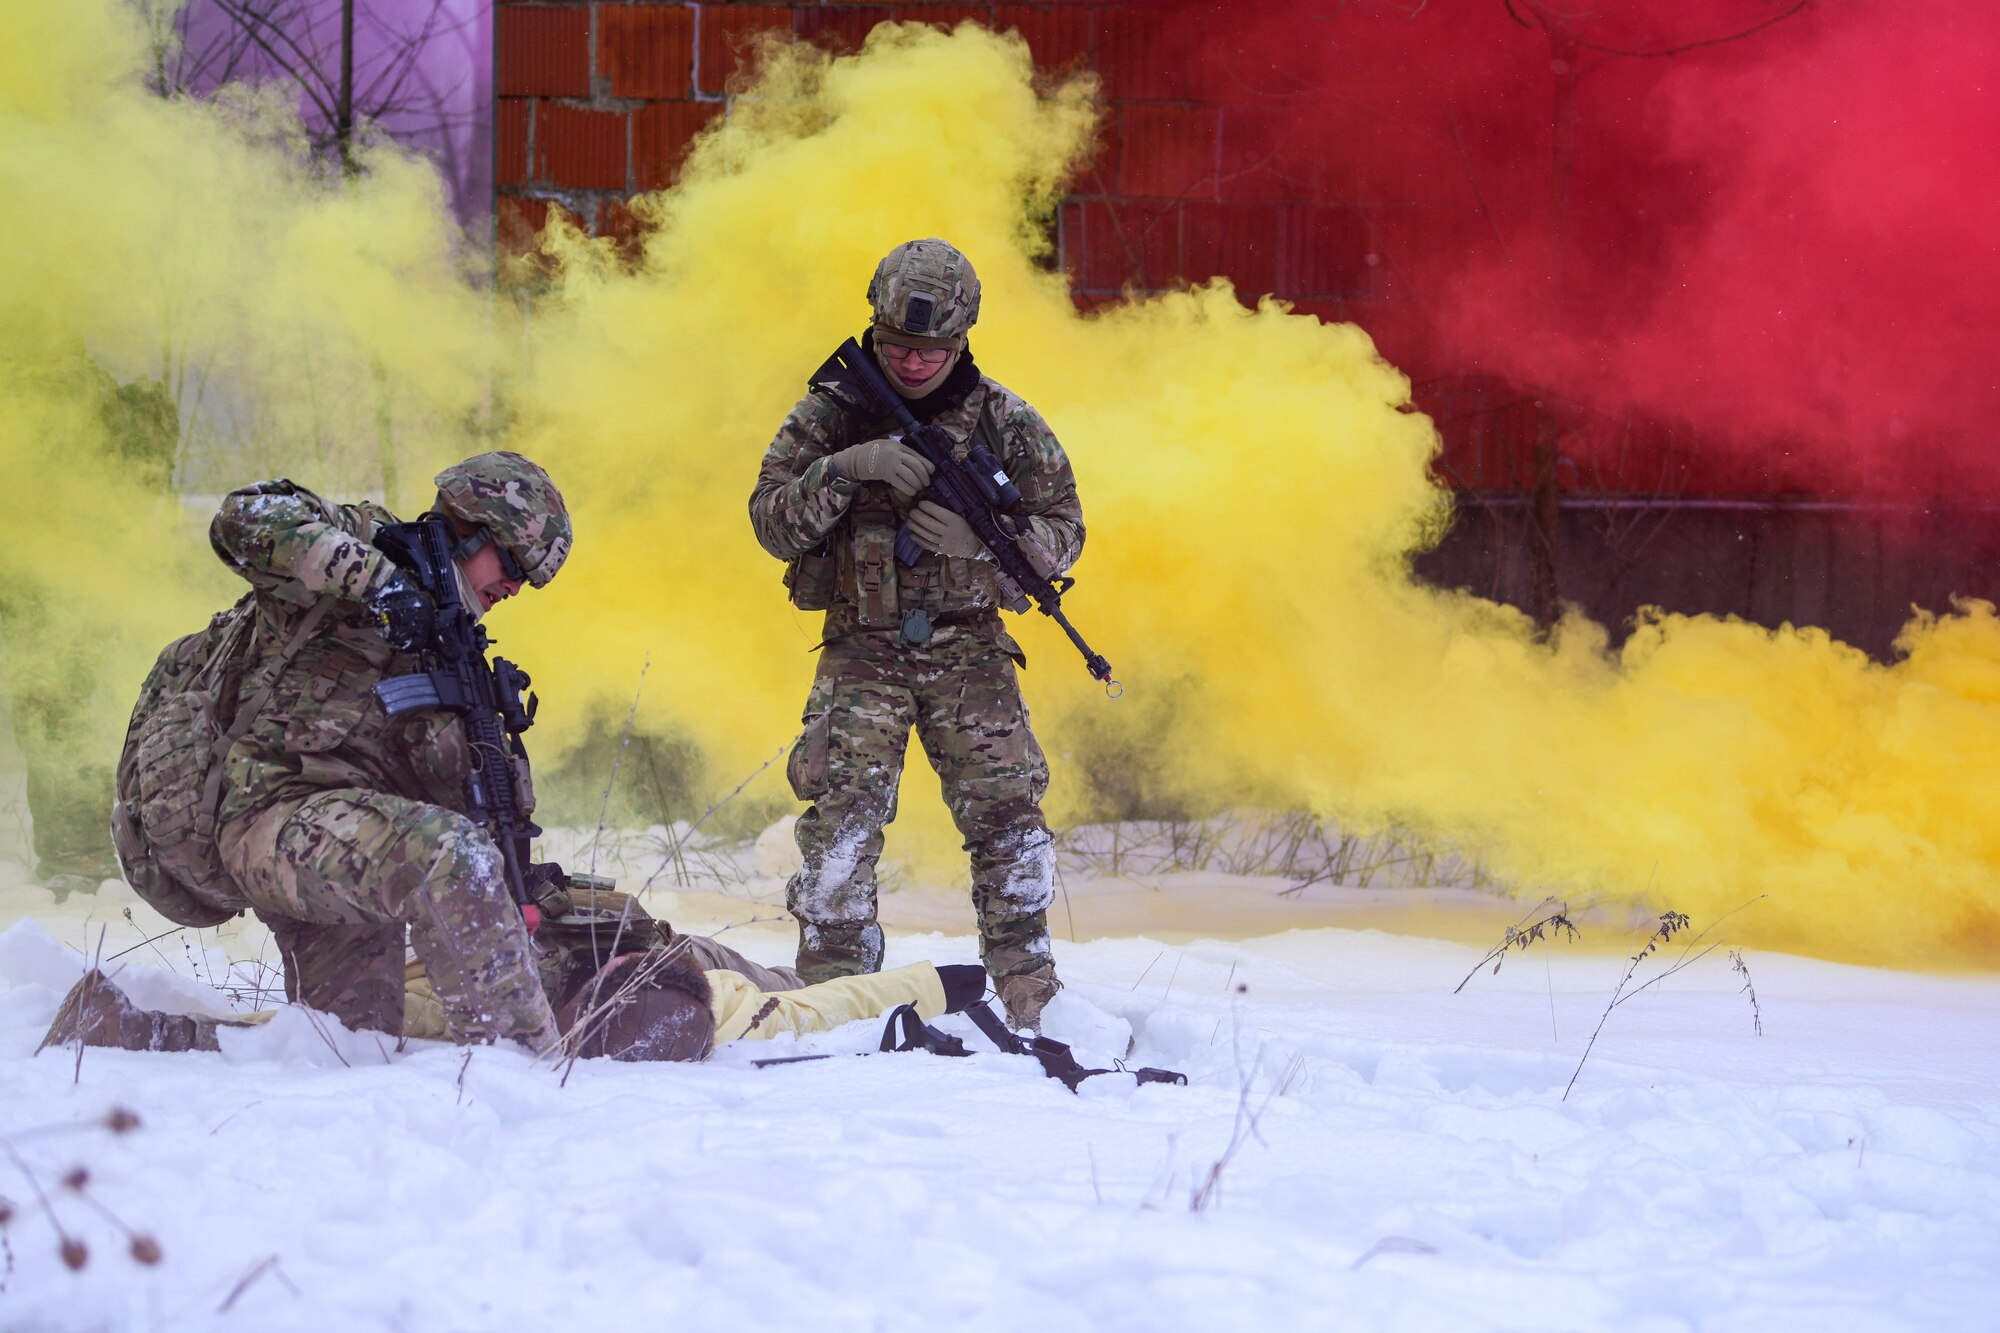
<point>812,579</point>
<point>874,542</point>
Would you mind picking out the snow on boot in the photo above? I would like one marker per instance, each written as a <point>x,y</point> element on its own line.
<point>97,1013</point>
<point>1025,995</point>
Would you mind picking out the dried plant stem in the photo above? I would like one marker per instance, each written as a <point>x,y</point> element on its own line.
<point>618,758</point>
<point>673,853</point>
<point>1670,922</point>
<point>1742,969</point>
<point>1244,1129</point>
<point>1520,937</point>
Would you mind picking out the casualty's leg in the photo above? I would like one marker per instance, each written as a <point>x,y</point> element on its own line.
<point>847,763</point>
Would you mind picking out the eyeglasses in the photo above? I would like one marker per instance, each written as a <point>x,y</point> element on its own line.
<point>923,356</point>
<point>510,566</point>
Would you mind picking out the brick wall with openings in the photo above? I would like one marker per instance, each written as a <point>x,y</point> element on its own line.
<point>599,99</point>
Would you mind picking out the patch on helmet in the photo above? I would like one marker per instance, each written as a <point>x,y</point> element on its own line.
<point>551,561</point>
<point>918,312</point>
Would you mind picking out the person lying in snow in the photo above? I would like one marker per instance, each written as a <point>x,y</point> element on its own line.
<point>621,985</point>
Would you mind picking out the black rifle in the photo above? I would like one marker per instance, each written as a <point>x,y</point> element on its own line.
<point>457,678</point>
<point>976,488</point>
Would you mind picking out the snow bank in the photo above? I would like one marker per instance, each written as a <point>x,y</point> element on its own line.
<point>1368,1149</point>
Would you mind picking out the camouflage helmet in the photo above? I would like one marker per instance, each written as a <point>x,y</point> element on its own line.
<point>515,503</point>
<point>924,294</point>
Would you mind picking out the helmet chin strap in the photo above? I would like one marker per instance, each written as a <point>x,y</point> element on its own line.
<point>468,596</point>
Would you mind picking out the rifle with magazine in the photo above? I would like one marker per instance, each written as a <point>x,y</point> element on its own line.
<point>976,488</point>
<point>457,677</point>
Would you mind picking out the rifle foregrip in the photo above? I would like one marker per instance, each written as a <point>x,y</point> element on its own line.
<point>907,550</point>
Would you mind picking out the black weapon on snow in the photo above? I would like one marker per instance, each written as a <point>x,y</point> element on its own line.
<point>907,1031</point>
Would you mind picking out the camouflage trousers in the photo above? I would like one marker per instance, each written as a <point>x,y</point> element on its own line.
<point>339,875</point>
<point>960,694</point>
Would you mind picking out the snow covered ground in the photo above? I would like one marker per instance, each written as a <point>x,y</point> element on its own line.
<point>1359,1147</point>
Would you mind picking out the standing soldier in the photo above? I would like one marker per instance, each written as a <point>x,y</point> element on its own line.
<point>919,645</point>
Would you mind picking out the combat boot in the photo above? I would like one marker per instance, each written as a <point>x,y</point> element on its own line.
<point>827,952</point>
<point>1026,994</point>
<point>97,1013</point>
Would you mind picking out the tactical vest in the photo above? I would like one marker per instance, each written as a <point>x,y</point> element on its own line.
<point>164,821</point>
<point>856,563</point>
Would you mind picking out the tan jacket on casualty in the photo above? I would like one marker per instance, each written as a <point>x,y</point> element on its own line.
<point>742,1011</point>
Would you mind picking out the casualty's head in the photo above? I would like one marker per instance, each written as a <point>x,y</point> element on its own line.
<point>924,297</point>
<point>509,521</point>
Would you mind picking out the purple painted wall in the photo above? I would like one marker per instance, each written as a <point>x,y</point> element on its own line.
<point>423,72</point>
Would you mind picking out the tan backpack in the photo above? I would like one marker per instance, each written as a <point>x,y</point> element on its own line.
<point>163,823</point>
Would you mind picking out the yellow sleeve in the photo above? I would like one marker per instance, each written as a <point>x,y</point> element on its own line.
<point>744,1012</point>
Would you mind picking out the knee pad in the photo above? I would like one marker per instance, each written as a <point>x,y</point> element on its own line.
<point>1025,869</point>
<point>465,858</point>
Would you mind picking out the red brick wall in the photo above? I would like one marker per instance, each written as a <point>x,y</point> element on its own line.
<point>598,100</point>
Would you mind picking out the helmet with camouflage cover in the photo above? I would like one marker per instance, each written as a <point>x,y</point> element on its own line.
<point>925,294</point>
<point>514,502</point>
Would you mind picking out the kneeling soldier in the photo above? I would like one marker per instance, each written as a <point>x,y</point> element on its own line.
<point>341,826</point>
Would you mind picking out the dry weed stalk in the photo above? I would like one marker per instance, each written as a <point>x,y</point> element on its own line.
<point>268,1264</point>
<point>1670,924</point>
<point>1542,930</point>
<point>673,854</point>
<point>1684,961</point>
<point>74,1183</point>
<point>1742,969</point>
<point>1209,1188</point>
<point>618,758</point>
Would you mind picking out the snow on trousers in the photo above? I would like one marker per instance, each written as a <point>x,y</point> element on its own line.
<point>960,693</point>
<point>338,874</point>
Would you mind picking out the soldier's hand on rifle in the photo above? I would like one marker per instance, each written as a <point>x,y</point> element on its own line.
<point>548,888</point>
<point>885,460</point>
<point>404,614</point>
<point>939,529</point>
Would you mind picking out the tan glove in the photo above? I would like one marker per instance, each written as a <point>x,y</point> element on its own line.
<point>938,529</point>
<point>885,460</point>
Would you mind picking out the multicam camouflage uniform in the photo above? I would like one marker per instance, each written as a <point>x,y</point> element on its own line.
<point>342,826</point>
<point>880,675</point>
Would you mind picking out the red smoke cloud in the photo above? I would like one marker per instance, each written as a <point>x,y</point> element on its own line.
<point>1781,236</point>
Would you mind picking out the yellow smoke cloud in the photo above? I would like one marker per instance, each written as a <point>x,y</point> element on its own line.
<point>1252,489</point>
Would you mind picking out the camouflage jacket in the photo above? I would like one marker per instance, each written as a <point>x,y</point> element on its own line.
<point>323,727</point>
<point>797,505</point>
